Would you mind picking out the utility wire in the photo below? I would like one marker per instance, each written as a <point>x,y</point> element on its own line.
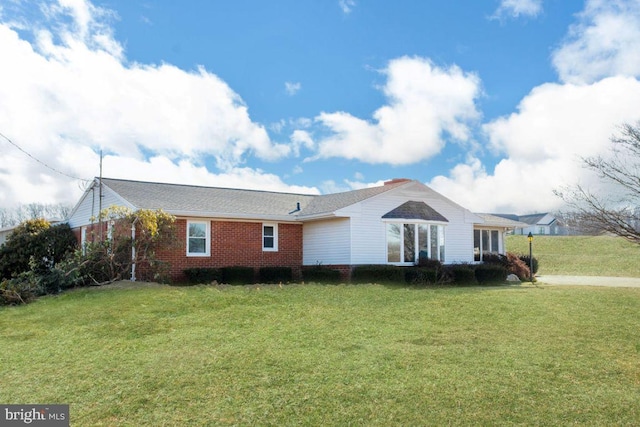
<point>40,161</point>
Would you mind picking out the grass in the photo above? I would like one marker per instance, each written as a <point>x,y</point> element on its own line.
<point>327,355</point>
<point>581,255</point>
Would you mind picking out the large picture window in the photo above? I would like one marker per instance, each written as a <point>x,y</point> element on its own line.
<point>198,238</point>
<point>408,242</point>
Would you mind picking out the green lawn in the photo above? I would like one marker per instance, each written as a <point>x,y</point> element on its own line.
<point>328,355</point>
<point>581,255</point>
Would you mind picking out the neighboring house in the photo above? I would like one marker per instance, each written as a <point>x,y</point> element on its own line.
<point>5,232</point>
<point>396,223</point>
<point>540,223</point>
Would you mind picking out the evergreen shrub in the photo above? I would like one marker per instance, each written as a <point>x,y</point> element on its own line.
<point>377,274</point>
<point>421,276</point>
<point>319,274</point>
<point>238,275</point>
<point>490,273</point>
<point>462,274</point>
<point>203,275</point>
<point>275,275</point>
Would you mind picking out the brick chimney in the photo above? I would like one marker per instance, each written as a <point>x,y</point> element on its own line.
<point>396,181</point>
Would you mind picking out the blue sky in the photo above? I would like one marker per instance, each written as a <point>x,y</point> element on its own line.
<point>490,102</point>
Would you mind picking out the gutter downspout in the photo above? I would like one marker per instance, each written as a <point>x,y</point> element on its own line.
<point>133,250</point>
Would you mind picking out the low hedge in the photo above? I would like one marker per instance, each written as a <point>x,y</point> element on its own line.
<point>421,276</point>
<point>462,274</point>
<point>275,274</point>
<point>377,274</point>
<point>198,275</point>
<point>490,273</point>
<point>238,275</point>
<point>320,274</point>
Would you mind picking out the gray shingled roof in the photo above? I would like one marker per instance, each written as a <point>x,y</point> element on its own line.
<point>534,219</point>
<point>212,201</point>
<point>499,221</point>
<point>331,202</point>
<point>175,198</point>
<point>415,210</point>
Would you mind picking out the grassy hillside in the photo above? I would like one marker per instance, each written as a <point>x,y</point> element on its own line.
<point>356,355</point>
<point>581,255</point>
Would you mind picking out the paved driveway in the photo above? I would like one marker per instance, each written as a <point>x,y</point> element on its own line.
<point>623,282</point>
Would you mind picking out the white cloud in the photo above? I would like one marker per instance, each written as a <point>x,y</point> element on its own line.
<point>162,169</point>
<point>559,123</point>
<point>346,5</point>
<point>292,88</point>
<point>301,138</point>
<point>72,92</point>
<point>604,42</point>
<point>424,102</point>
<point>517,8</point>
<point>542,143</point>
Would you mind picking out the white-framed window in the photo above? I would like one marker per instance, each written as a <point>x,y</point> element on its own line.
<point>198,238</point>
<point>408,242</point>
<point>485,241</point>
<point>269,237</point>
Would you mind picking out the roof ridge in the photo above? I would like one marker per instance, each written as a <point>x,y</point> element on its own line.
<point>206,186</point>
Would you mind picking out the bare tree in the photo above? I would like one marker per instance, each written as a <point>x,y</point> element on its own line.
<point>618,211</point>
<point>6,219</point>
<point>14,216</point>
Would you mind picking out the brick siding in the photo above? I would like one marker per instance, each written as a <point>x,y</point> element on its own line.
<point>232,244</point>
<point>235,244</point>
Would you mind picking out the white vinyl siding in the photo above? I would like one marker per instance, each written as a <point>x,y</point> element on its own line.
<point>326,242</point>
<point>89,206</point>
<point>368,231</point>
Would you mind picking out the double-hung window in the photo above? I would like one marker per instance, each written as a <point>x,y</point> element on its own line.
<point>198,238</point>
<point>270,237</point>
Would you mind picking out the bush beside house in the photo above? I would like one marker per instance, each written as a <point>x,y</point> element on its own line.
<point>30,261</point>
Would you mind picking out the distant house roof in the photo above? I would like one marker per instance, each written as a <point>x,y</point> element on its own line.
<point>512,217</point>
<point>531,219</point>
<point>538,219</point>
<point>415,210</point>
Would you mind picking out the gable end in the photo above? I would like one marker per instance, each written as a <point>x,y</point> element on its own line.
<point>415,210</point>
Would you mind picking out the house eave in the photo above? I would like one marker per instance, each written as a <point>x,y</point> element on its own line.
<point>320,216</point>
<point>235,216</point>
